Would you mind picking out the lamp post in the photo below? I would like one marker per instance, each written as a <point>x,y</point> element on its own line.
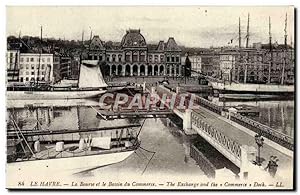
<point>260,142</point>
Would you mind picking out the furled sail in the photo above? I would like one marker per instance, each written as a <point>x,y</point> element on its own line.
<point>90,75</point>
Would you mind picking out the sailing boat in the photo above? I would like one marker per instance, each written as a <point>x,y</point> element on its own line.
<point>67,151</point>
<point>91,84</point>
<point>236,90</point>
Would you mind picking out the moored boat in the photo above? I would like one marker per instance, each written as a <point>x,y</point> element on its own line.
<point>68,151</point>
<point>90,84</point>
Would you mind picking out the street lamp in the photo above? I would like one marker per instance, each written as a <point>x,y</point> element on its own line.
<point>260,142</point>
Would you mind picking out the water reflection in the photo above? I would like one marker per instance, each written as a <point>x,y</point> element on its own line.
<point>276,114</point>
<point>170,146</point>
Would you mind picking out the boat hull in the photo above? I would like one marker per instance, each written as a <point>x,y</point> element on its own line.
<point>252,88</point>
<point>63,166</point>
<point>36,95</point>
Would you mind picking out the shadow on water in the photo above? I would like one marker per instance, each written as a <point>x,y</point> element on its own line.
<point>213,156</point>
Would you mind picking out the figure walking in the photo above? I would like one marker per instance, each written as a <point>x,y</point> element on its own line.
<point>272,165</point>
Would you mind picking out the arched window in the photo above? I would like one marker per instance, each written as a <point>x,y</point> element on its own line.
<point>135,57</point>
<point>168,58</point>
<point>162,58</point>
<point>127,57</point>
<point>113,57</point>
<point>142,57</point>
<point>120,58</point>
<point>156,58</point>
<point>150,58</point>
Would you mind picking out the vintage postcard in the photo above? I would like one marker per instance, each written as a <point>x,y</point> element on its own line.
<point>150,97</point>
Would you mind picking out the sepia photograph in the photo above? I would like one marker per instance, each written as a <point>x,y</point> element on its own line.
<point>150,97</point>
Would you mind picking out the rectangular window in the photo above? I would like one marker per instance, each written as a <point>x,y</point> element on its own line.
<point>27,79</point>
<point>27,59</point>
<point>173,60</point>
<point>134,58</point>
<point>177,59</point>
<point>43,59</point>
<point>31,59</point>
<point>43,66</point>
<point>21,59</point>
<point>161,58</point>
<point>27,73</point>
<point>48,59</point>
<point>32,73</point>
<point>32,66</point>
<point>127,57</point>
<point>27,66</point>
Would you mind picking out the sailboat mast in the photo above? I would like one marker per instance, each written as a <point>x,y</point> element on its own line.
<point>240,33</point>
<point>271,52</point>
<point>285,32</point>
<point>80,57</point>
<point>284,51</point>
<point>247,40</point>
<point>247,44</point>
<point>41,48</point>
<point>91,38</point>
<point>82,37</point>
<point>239,65</point>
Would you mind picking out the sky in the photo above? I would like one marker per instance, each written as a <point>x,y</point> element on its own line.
<point>191,26</point>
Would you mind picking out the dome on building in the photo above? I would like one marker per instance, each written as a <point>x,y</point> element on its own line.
<point>133,38</point>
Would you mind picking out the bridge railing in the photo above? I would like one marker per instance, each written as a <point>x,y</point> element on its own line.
<point>209,105</point>
<point>276,136</point>
<point>227,143</point>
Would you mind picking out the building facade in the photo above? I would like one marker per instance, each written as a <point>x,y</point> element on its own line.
<point>195,60</point>
<point>258,64</point>
<point>134,57</point>
<point>12,65</point>
<point>36,67</point>
<point>227,64</point>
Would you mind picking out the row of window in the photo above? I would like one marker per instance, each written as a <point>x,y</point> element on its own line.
<point>42,66</point>
<point>32,73</point>
<point>135,58</point>
<point>22,79</point>
<point>173,59</point>
<point>31,59</point>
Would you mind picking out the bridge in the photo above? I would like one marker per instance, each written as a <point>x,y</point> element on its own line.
<point>233,135</point>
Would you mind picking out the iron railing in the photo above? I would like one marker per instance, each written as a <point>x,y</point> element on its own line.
<point>266,131</point>
<point>227,143</point>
